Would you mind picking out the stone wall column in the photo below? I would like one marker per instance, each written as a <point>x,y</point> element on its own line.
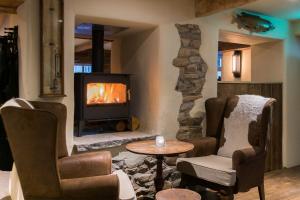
<point>192,71</point>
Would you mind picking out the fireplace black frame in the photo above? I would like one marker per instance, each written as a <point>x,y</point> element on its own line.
<point>103,112</point>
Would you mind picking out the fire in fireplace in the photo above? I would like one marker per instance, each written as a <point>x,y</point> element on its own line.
<point>101,97</point>
<point>106,93</point>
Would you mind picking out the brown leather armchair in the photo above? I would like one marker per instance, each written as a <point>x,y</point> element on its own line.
<point>46,172</point>
<point>247,165</point>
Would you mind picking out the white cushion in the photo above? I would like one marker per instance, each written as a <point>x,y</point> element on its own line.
<point>17,102</point>
<point>248,108</point>
<point>126,189</point>
<point>213,168</point>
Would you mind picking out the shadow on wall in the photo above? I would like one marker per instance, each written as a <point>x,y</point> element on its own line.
<point>6,198</point>
<point>140,58</point>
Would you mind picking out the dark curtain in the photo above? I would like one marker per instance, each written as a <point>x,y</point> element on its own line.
<point>9,86</point>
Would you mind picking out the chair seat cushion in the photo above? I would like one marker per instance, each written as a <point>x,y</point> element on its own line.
<point>212,168</point>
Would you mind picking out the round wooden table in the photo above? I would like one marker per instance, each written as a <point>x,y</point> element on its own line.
<point>177,194</point>
<point>171,148</point>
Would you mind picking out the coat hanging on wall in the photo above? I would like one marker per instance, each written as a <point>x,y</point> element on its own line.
<point>9,86</point>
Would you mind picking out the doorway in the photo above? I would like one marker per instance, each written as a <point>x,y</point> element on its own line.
<point>254,65</point>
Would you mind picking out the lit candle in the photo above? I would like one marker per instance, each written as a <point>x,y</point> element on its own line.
<point>160,141</point>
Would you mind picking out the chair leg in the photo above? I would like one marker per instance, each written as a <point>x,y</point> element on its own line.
<point>229,196</point>
<point>261,191</point>
<point>183,181</point>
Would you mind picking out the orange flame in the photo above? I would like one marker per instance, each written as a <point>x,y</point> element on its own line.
<point>106,93</point>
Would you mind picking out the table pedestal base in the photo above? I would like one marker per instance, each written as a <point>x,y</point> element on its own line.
<point>159,181</point>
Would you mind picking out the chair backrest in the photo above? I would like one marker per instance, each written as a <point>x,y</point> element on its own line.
<point>32,136</point>
<point>60,111</point>
<point>215,108</point>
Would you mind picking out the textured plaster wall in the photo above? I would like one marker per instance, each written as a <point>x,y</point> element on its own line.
<point>227,74</point>
<point>140,58</point>
<point>291,106</point>
<point>267,62</point>
<point>116,65</point>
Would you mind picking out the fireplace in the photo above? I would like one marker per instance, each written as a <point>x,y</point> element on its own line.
<point>106,93</point>
<point>101,97</point>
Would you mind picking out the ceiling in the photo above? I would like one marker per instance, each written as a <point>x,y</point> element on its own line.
<point>122,27</point>
<point>225,46</point>
<point>84,30</point>
<point>208,7</point>
<point>232,37</point>
<point>286,9</point>
<point>10,6</point>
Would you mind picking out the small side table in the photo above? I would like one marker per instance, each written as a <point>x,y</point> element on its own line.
<point>172,148</point>
<point>177,194</point>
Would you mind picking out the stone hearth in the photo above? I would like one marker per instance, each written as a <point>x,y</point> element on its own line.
<point>108,140</point>
<point>192,71</point>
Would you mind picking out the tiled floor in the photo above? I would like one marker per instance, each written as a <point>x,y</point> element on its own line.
<point>4,178</point>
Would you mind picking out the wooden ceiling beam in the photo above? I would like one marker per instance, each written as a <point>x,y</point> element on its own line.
<point>10,6</point>
<point>209,7</point>
<point>8,10</point>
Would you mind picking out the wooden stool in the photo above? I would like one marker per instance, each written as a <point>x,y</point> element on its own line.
<point>177,194</point>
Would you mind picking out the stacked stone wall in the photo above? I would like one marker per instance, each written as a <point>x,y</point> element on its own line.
<point>192,71</point>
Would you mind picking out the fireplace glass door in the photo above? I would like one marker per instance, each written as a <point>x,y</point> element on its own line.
<point>106,93</point>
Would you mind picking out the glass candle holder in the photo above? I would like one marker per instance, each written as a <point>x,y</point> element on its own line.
<point>160,141</point>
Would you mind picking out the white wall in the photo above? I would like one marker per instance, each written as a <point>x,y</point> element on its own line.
<point>261,63</point>
<point>140,56</point>
<point>291,120</point>
<point>227,74</point>
<point>267,62</point>
<point>28,20</point>
<point>116,65</point>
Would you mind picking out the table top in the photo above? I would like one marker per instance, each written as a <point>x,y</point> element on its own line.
<point>148,147</point>
<point>177,194</point>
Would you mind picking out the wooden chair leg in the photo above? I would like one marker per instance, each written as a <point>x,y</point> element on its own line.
<point>225,196</point>
<point>261,191</point>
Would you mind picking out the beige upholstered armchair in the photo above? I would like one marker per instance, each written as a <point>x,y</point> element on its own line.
<point>38,142</point>
<point>231,158</point>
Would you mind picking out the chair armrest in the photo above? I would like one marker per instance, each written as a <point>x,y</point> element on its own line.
<point>91,188</point>
<point>85,165</point>
<point>126,191</point>
<point>202,146</point>
<point>250,167</point>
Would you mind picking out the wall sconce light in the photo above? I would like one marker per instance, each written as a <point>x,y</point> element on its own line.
<point>237,63</point>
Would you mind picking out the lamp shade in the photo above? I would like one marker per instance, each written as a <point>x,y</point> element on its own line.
<point>237,63</point>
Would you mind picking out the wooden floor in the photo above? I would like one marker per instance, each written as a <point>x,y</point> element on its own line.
<point>279,185</point>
